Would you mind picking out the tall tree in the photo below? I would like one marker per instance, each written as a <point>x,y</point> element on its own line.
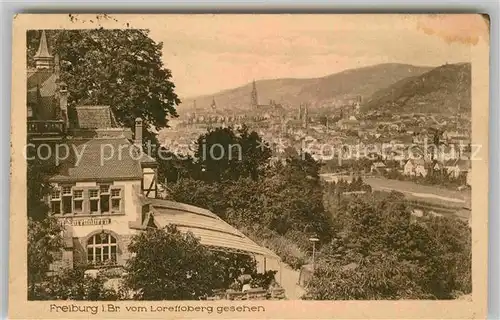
<point>228,154</point>
<point>44,239</point>
<point>171,265</point>
<point>122,68</point>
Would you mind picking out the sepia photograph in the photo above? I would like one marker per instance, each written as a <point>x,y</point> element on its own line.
<point>248,158</point>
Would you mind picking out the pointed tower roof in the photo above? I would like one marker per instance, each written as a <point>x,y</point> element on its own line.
<point>213,106</point>
<point>43,50</point>
<point>43,58</point>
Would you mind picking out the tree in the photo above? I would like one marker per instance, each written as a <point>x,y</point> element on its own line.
<point>380,277</point>
<point>121,68</point>
<point>228,154</point>
<point>396,255</point>
<point>170,265</point>
<point>44,240</point>
<point>74,284</point>
<point>173,167</point>
<point>37,187</point>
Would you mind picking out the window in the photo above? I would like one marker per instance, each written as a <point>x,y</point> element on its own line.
<point>94,201</point>
<point>56,195</point>
<point>67,200</point>
<point>104,188</point>
<point>55,201</point>
<point>102,199</point>
<point>115,200</point>
<point>56,207</point>
<point>77,201</point>
<point>101,248</point>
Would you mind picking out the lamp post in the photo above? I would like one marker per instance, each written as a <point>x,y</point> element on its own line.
<point>313,239</point>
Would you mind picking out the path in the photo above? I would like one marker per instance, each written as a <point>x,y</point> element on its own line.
<point>288,278</point>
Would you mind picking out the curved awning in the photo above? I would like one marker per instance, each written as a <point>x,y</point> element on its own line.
<point>211,230</point>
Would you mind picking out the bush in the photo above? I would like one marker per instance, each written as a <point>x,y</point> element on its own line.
<point>397,255</point>
<point>288,250</point>
<point>74,284</point>
<point>171,265</point>
<point>263,280</point>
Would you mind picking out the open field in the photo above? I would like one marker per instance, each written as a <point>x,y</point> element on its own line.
<point>434,198</point>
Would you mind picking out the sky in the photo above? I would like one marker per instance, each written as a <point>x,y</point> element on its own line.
<point>210,53</point>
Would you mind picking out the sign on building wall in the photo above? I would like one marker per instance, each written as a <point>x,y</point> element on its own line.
<point>86,222</point>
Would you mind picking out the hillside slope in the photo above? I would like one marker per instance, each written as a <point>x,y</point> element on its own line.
<point>445,89</point>
<point>322,91</point>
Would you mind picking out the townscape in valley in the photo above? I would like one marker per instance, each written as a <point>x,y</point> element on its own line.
<point>350,186</point>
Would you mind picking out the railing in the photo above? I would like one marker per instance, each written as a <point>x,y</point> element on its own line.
<point>252,294</point>
<point>46,127</point>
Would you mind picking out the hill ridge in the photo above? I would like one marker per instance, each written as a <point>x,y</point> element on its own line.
<point>325,90</point>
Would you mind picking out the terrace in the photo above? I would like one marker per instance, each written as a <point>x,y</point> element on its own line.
<point>46,129</point>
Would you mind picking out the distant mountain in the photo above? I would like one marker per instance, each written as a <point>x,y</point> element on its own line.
<point>445,89</point>
<point>324,91</point>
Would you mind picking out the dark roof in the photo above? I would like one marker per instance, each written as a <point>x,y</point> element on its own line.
<point>41,93</point>
<point>100,165</point>
<point>43,82</point>
<point>94,117</point>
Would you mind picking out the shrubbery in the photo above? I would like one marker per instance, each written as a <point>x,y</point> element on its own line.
<point>382,251</point>
<point>73,284</point>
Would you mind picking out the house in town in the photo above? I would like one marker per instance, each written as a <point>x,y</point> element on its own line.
<point>378,167</point>
<point>348,124</point>
<point>105,191</point>
<point>457,167</point>
<point>438,166</point>
<point>415,167</point>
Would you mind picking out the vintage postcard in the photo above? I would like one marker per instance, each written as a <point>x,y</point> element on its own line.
<point>249,166</point>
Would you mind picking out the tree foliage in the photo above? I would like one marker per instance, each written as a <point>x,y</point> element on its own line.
<point>229,154</point>
<point>121,68</point>
<point>74,284</point>
<point>171,265</point>
<point>392,254</point>
<point>44,241</point>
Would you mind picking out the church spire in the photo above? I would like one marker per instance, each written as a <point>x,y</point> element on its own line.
<point>213,106</point>
<point>254,102</point>
<point>43,59</point>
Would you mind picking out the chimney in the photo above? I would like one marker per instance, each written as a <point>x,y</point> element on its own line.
<point>138,132</point>
<point>300,112</point>
<point>43,59</point>
<point>63,102</point>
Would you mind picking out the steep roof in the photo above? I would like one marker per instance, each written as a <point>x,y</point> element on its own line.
<point>43,50</point>
<point>94,117</point>
<point>100,159</point>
